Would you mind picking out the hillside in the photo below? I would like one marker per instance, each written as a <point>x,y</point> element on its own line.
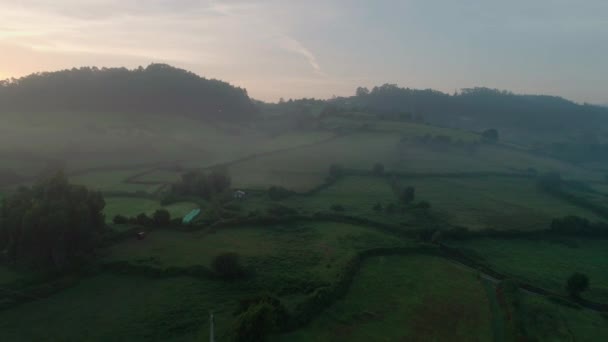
<point>522,118</point>
<point>158,88</point>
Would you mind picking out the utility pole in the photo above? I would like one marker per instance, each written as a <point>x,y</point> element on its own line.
<point>211,327</point>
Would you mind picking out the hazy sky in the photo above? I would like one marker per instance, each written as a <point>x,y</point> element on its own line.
<point>320,48</point>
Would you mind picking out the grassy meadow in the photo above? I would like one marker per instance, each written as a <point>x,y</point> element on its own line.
<point>409,298</point>
<point>501,203</point>
<point>547,263</point>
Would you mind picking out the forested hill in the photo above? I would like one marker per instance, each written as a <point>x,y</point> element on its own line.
<point>479,108</point>
<point>156,88</point>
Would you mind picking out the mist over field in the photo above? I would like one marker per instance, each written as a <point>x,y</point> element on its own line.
<point>271,178</point>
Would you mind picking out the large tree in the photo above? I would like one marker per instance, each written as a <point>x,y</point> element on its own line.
<point>51,224</point>
<point>577,283</point>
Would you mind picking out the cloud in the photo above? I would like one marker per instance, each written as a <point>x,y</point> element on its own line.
<point>292,45</point>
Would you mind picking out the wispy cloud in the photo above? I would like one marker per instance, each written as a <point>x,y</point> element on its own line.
<point>293,45</point>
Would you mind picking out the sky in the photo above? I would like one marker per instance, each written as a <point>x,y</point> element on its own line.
<point>313,48</point>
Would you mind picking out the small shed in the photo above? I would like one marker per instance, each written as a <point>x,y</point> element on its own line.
<point>191,216</point>
<point>238,194</point>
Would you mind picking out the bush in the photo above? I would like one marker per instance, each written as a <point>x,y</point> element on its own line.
<point>143,220</point>
<point>576,284</point>
<point>120,219</point>
<point>161,217</point>
<point>337,207</point>
<point>227,266</point>
<point>255,324</point>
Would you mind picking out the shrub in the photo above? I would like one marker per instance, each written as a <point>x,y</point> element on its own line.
<point>143,220</point>
<point>227,266</point>
<point>161,217</point>
<point>255,324</point>
<point>576,284</point>
<point>120,219</point>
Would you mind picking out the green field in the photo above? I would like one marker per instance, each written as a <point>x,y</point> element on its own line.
<point>280,255</point>
<point>107,307</point>
<point>493,202</point>
<point>133,206</point>
<point>548,321</point>
<point>547,263</point>
<point>392,298</point>
<point>303,168</point>
<point>410,298</point>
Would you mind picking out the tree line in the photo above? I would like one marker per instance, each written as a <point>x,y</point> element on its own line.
<point>158,88</point>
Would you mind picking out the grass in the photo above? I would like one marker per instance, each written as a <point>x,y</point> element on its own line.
<point>110,308</point>
<point>133,206</point>
<point>7,275</point>
<point>303,168</point>
<point>493,202</point>
<point>284,259</point>
<point>548,263</point>
<point>409,298</point>
<point>280,255</point>
<point>548,321</point>
<point>408,129</point>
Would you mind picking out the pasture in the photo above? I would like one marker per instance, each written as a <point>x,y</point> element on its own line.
<point>547,263</point>
<point>281,256</point>
<point>501,203</point>
<point>411,298</point>
<point>547,321</point>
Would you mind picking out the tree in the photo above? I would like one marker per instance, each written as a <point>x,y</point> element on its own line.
<point>378,169</point>
<point>161,217</point>
<point>120,219</point>
<point>362,91</point>
<point>490,135</point>
<point>577,283</point>
<point>198,183</point>
<point>227,266</point>
<point>52,224</point>
<point>408,194</point>
<point>143,220</point>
